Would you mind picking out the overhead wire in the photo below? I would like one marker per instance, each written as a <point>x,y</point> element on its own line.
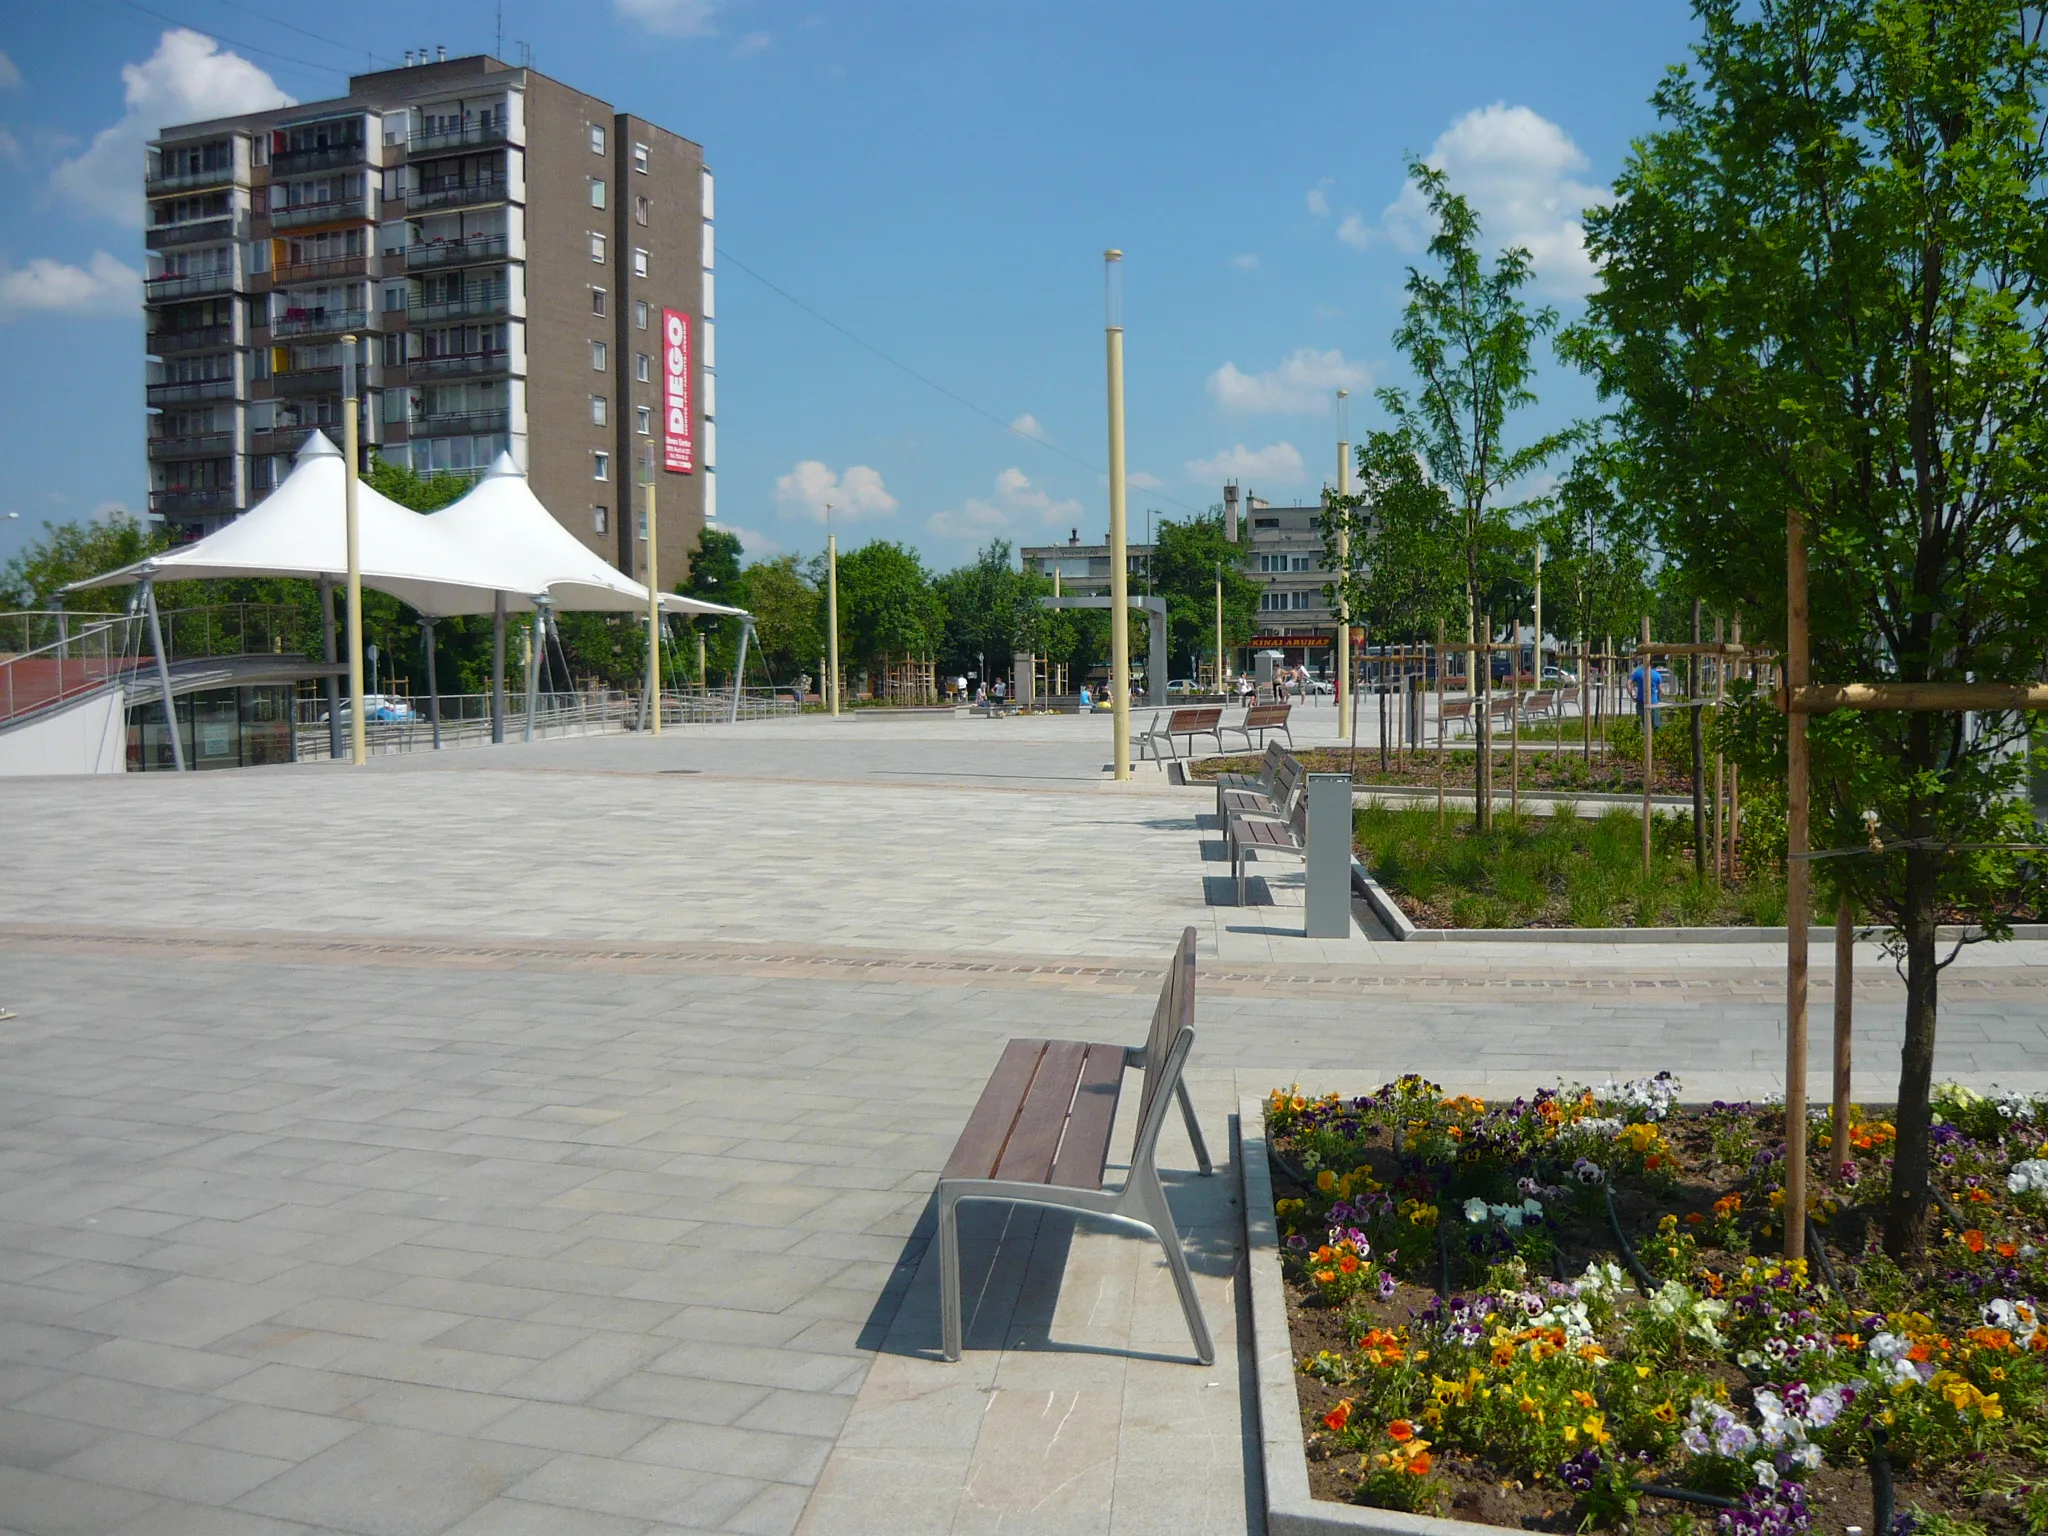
<point>270,53</point>
<point>289,26</point>
<point>725,254</point>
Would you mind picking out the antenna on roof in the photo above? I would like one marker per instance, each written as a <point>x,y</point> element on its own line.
<point>526,55</point>
<point>498,47</point>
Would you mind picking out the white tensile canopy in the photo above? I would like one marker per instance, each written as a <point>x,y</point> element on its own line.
<point>504,516</point>
<point>496,541</point>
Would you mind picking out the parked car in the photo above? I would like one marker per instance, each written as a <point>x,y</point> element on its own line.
<point>379,709</point>
<point>1552,675</point>
<point>1317,685</point>
<point>1182,685</point>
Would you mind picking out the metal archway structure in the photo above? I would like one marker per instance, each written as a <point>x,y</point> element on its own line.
<point>1155,615</point>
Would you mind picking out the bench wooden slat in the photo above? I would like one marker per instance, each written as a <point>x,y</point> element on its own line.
<point>987,1132</point>
<point>1084,1150</point>
<point>1035,1138</point>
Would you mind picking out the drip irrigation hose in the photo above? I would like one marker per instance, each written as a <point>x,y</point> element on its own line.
<point>1880,1485</point>
<point>1819,1250</point>
<point>1635,1265</point>
<point>1688,1496</point>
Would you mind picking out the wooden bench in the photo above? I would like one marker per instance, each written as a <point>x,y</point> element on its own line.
<point>1040,1136</point>
<point>1455,712</point>
<point>1273,804</point>
<point>1262,781</point>
<point>1264,718</point>
<point>1201,720</point>
<point>1252,837</point>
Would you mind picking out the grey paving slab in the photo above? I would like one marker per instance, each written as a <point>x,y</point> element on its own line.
<point>543,1140</point>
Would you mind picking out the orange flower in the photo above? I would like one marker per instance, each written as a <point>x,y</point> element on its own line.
<point>1419,1464</point>
<point>1400,1430</point>
<point>2006,1250</point>
<point>1338,1416</point>
<point>1325,1277</point>
<point>1348,1264</point>
<point>1974,1240</point>
<point>1694,1218</point>
<point>1978,1196</point>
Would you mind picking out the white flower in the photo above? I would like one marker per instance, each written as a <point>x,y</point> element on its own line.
<point>1766,1474</point>
<point>2028,1177</point>
<point>2016,1317</point>
<point>1475,1210</point>
<point>1533,1209</point>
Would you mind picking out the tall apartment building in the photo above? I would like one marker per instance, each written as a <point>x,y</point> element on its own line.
<point>1286,558</point>
<point>527,269</point>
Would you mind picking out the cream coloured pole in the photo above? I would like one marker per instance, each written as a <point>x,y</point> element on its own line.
<point>358,745</point>
<point>1119,574</point>
<point>1343,693</point>
<point>653,602</point>
<point>832,613</point>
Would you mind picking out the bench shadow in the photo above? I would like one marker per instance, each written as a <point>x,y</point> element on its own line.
<point>1013,1261</point>
<point>1221,891</point>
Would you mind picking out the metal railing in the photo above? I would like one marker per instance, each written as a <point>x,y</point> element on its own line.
<point>309,381</point>
<point>457,194</point>
<point>334,210</point>
<point>461,423</point>
<point>458,365</point>
<point>318,322</point>
<point>47,658</point>
<point>481,299</point>
<point>224,226</point>
<point>327,266</point>
<point>296,162</point>
<point>179,499</point>
<point>188,285</point>
<point>466,717</point>
<point>160,180</point>
<point>193,338</point>
<point>495,131</point>
<point>190,391</point>
<point>200,445</point>
<point>455,253</point>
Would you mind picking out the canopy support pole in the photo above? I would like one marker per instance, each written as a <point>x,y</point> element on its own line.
<point>739,673</point>
<point>433,682</point>
<point>333,682</point>
<point>163,676</point>
<point>533,665</point>
<point>497,669</point>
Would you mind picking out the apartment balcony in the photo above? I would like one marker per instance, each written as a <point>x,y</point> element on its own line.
<point>494,300</point>
<point>160,290</point>
<point>314,271</point>
<point>463,194</point>
<point>184,503</point>
<point>459,365</point>
<point>198,338</point>
<point>191,391</point>
<point>318,322</point>
<point>468,136</point>
<point>208,445</point>
<point>308,381</point>
<point>286,440</point>
<point>462,424</point>
<point>189,181</point>
<point>215,231</point>
<point>457,253</point>
<point>339,210</point>
<point>297,162</point>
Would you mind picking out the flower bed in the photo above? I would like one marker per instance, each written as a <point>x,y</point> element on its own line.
<point>1474,1337</point>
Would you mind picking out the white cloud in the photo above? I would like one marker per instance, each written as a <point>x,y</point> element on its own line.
<point>10,77</point>
<point>104,286</point>
<point>1027,426</point>
<point>1318,200</point>
<point>672,18</point>
<point>1018,498</point>
<point>1520,172</point>
<point>1246,262</point>
<point>1355,232</point>
<point>187,80</point>
<point>1280,463</point>
<point>755,545</point>
<point>1137,479</point>
<point>751,44</point>
<point>811,486</point>
<point>1303,384</point>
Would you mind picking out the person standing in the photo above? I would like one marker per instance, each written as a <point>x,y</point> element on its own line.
<point>1638,686</point>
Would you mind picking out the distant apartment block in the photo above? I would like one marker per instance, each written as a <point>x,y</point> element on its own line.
<point>527,268</point>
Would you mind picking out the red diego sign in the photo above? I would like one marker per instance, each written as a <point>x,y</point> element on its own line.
<point>679,454</point>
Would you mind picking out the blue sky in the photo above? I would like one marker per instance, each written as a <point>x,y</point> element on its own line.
<point>940,179</point>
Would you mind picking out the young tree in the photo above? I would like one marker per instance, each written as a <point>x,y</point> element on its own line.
<point>70,552</point>
<point>788,616</point>
<point>714,576</point>
<point>990,610</point>
<point>1407,570</point>
<point>886,605</point>
<point>1187,559</point>
<point>1823,286</point>
<point>1467,334</point>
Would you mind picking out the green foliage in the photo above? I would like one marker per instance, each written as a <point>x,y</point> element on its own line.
<point>1596,555</point>
<point>990,610</point>
<point>1405,575</point>
<point>72,551</point>
<point>887,606</point>
<point>422,494</point>
<point>1187,559</point>
<point>789,617</point>
<point>714,567</point>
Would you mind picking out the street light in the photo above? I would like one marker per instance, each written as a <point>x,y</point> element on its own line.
<point>1119,572</point>
<point>653,598</point>
<point>1343,693</point>
<point>831,610</point>
<point>358,743</point>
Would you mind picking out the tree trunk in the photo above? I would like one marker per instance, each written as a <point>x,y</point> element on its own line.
<point>1906,1221</point>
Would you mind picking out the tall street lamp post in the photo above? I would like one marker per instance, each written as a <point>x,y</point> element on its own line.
<point>358,742</point>
<point>831,609</point>
<point>1343,692</point>
<point>1119,571</point>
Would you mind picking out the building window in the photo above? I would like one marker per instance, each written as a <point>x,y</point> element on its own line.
<point>641,209</point>
<point>596,193</point>
<point>640,158</point>
<point>639,263</point>
<point>600,411</point>
<point>600,357</point>
<point>597,138</point>
<point>597,247</point>
<point>599,518</point>
<point>640,314</point>
<point>597,301</point>
<point>600,466</point>
<point>1304,562</point>
<point>643,368</point>
<point>394,351</point>
<point>1303,600</point>
<point>643,420</point>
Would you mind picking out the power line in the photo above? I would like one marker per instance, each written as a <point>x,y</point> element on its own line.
<point>271,53</point>
<point>318,37</point>
<point>725,254</point>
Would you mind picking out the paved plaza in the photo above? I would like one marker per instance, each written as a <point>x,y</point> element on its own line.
<point>542,1139</point>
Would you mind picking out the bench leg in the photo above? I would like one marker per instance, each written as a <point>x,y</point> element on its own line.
<point>949,1273</point>
<point>1151,1200</point>
<point>1187,1114</point>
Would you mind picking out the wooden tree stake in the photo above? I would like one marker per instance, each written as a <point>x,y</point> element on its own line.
<point>1845,1012</point>
<point>1798,891</point>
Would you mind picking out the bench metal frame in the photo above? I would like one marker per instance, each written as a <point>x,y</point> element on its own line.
<point>1142,1200</point>
<point>1276,720</point>
<point>1155,733</point>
